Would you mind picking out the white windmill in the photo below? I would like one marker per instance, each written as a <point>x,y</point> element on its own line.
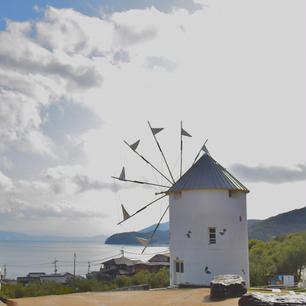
<point>208,220</point>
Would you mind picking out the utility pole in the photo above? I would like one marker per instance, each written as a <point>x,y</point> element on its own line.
<point>74,260</point>
<point>4,272</point>
<point>55,266</point>
<point>88,267</point>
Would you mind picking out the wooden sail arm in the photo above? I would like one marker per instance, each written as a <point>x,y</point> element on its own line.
<point>141,209</point>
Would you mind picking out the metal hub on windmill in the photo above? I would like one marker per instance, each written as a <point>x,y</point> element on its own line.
<point>208,220</point>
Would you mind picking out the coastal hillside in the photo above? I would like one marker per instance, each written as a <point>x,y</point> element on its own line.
<point>129,238</point>
<point>282,224</point>
<point>290,222</point>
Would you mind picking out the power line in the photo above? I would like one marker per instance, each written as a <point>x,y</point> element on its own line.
<point>55,267</point>
<point>64,263</point>
<point>74,260</point>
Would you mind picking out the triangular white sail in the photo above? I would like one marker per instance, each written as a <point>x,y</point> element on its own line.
<point>126,215</point>
<point>122,175</point>
<point>156,130</point>
<point>135,145</point>
<point>184,133</point>
<point>143,241</point>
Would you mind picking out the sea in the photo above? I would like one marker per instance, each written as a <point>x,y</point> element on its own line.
<point>20,258</point>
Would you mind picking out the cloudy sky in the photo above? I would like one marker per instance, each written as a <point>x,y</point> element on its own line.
<point>79,77</point>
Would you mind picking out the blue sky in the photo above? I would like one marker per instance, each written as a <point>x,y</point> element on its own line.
<point>19,10</point>
<point>79,77</point>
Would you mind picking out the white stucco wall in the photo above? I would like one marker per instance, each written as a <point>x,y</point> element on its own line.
<point>197,211</point>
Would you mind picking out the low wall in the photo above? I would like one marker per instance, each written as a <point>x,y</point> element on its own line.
<point>133,288</point>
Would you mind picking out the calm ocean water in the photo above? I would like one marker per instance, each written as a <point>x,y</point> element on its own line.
<point>21,258</point>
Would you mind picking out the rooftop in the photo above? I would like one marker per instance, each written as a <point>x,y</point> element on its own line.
<point>207,173</point>
<point>121,261</point>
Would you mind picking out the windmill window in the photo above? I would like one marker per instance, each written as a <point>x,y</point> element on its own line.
<point>179,266</point>
<point>177,195</point>
<point>212,235</point>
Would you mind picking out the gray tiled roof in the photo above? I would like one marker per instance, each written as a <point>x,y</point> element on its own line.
<point>120,261</point>
<point>206,173</point>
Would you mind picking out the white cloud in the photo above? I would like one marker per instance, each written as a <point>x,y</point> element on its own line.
<point>20,123</point>
<point>6,183</point>
<point>33,206</point>
<point>69,32</point>
<point>5,162</point>
<point>16,208</point>
<point>230,73</point>
<point>270,174</point>
<point>77,179</point>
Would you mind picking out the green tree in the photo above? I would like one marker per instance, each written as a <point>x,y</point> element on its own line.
<point>283,255</point>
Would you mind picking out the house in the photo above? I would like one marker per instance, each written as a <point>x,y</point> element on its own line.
<point>208,225</point>
<point>125,266</point>
<point>36,275</point>
<point>119,266</point>
<point>58,278</point>
<point>31,277</point>
<point>160,258</point>
<point>43,277</point>
<point>152,267</point>
<point>154,264</point>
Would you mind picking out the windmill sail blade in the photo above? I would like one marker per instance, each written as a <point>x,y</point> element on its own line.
<point>162,153</point>
<point>149,163</point>
<point>140,182</point>
<point>141,209</point>
<point>155,229</point>
<point>143,241</point>
<point>202,149</point>
<point>135,145</point>
<point>125,213</point>
<point>122,175</point>
<point>156,130</point>
<point>184,133</point>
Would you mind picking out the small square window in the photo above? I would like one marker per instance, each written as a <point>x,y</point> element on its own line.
<point>212,235</point>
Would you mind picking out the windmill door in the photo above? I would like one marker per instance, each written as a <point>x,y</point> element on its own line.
<point>179,272</point>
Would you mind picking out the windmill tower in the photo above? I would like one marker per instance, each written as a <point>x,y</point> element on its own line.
<point>208,225</point>
<point>208,220</point>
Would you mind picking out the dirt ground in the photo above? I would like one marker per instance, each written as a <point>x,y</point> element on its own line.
<point>175,297</point>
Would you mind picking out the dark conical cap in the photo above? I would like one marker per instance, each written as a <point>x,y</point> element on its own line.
<point>206,173</point>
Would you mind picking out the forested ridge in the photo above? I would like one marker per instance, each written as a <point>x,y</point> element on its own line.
<point>284,255</point>
<point>293,221</point>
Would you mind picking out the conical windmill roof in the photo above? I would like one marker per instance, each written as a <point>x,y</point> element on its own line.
<point>206,173</point>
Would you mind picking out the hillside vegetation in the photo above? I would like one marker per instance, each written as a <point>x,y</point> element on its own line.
<point>285,255</point>
<point>293,221</point>
<point>154,280</point>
